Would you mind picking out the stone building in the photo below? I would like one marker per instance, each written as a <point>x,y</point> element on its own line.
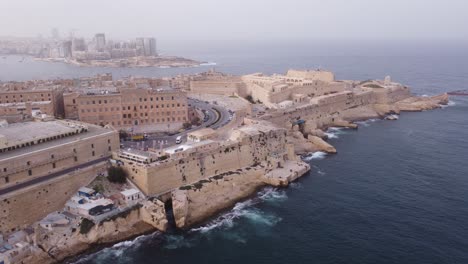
<point>180,165</point>
<point>136,110</point>
<point>23,92</point>
<point>36,155</point>
<point>213,82</point>
<point>18,112</point>
<point>296,87</point>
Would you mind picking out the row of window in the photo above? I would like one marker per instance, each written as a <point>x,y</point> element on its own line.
<point>21,96</point>
<point>105,101</point>
<point>21,101</point>
<point>127,108</point>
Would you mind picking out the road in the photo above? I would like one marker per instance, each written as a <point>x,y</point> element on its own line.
<point>51,176</point>
<point>215,117</point>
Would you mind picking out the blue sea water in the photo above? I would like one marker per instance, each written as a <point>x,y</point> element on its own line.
<point>396,192</point>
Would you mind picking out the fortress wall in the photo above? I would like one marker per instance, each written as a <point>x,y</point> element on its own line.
<point>216,87</point>
<point>163,177</point>
<point>259,93</point>
<point>205,199</point>
<point>26,206</point>
<point>325,76</point>
<point>325,110</point>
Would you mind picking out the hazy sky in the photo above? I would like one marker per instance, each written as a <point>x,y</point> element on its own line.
<point>241,20</point>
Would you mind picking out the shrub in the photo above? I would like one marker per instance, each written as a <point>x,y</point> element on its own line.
<point>250,99</point>
<point>117,175</point>
<point>85,226</point>
<point>372,85</point>
<point>187,125</point>
<point>123,135</point>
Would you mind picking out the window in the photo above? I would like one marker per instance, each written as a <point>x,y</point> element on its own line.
<point>109,148</point>
<point>7,179</point>
<point>92,153</point>
<point>52,156</point>
<point>75,158</point>
<point>29,172</point>
<point>53,165</point>
<point>92,145</point>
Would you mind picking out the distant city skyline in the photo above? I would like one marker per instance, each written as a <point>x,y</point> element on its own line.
<point>242,20</point>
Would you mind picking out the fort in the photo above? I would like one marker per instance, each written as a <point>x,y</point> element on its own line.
<point>275,119</point>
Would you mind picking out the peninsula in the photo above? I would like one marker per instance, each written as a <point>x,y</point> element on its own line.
<point>114,168</point>
<point>97,52</point>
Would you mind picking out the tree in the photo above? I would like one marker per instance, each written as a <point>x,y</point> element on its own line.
<point>117,175</point>
<point>196,121</point>
<point>123,135</point>
<point>187,125</point>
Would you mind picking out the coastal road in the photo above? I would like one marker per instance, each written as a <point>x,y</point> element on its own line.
<point>215,117</point>
<point>50,176</point>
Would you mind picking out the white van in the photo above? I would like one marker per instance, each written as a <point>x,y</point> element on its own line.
<point>178,140</point>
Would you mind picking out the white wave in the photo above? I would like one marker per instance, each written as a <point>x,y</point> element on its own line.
<point>177,241</point>
<point>244,210</point>
<point>117,250</point>
<point>258,217</point>
<point>295,185</point>
<point>450,103</point>
<point>164,67</point>
<point>272,194</point>
<point>226,220</point>
<point>331,135</point>
<point>424,95</point>
<point>208,64</point>
<point>335,129</point>
<point>363,123</point>
<point>320,172</point>
<point>333,132</point>
<point>315,155</point>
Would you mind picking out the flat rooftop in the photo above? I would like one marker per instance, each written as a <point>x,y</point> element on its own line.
<point>29,131</point>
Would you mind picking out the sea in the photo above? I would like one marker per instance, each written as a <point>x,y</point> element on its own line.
<point>396,191</point>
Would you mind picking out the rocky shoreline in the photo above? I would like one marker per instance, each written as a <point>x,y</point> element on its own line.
<point>133,62</point>
<point>312,137</point>
<point>190,202</point>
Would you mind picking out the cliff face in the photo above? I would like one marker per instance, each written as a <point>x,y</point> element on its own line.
<point>58,245</point>
<point>196,202</point>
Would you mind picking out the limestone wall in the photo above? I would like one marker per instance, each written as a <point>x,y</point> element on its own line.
<point>22,208</point>
<point>194,203</point>
<point>326,109</point>
<point>243,151</point>
<point>219,87</point>
<point>326,76</point>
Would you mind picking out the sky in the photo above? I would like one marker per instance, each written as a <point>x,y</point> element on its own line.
<point>187,21</point>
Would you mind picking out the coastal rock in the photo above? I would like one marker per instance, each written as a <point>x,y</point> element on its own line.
<point>180,206</point>
<point>289,172</point>
<point>321,145</point>
<point>384,109</point>
<point>416,104</point>
<point>58,246</point>
<point>318,133</point>
<point>203,199</point>
<point>154,213</point>
<point>343,123</point>
<point>301,145</point>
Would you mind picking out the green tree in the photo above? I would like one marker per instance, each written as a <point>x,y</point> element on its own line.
<point>117,175</point>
